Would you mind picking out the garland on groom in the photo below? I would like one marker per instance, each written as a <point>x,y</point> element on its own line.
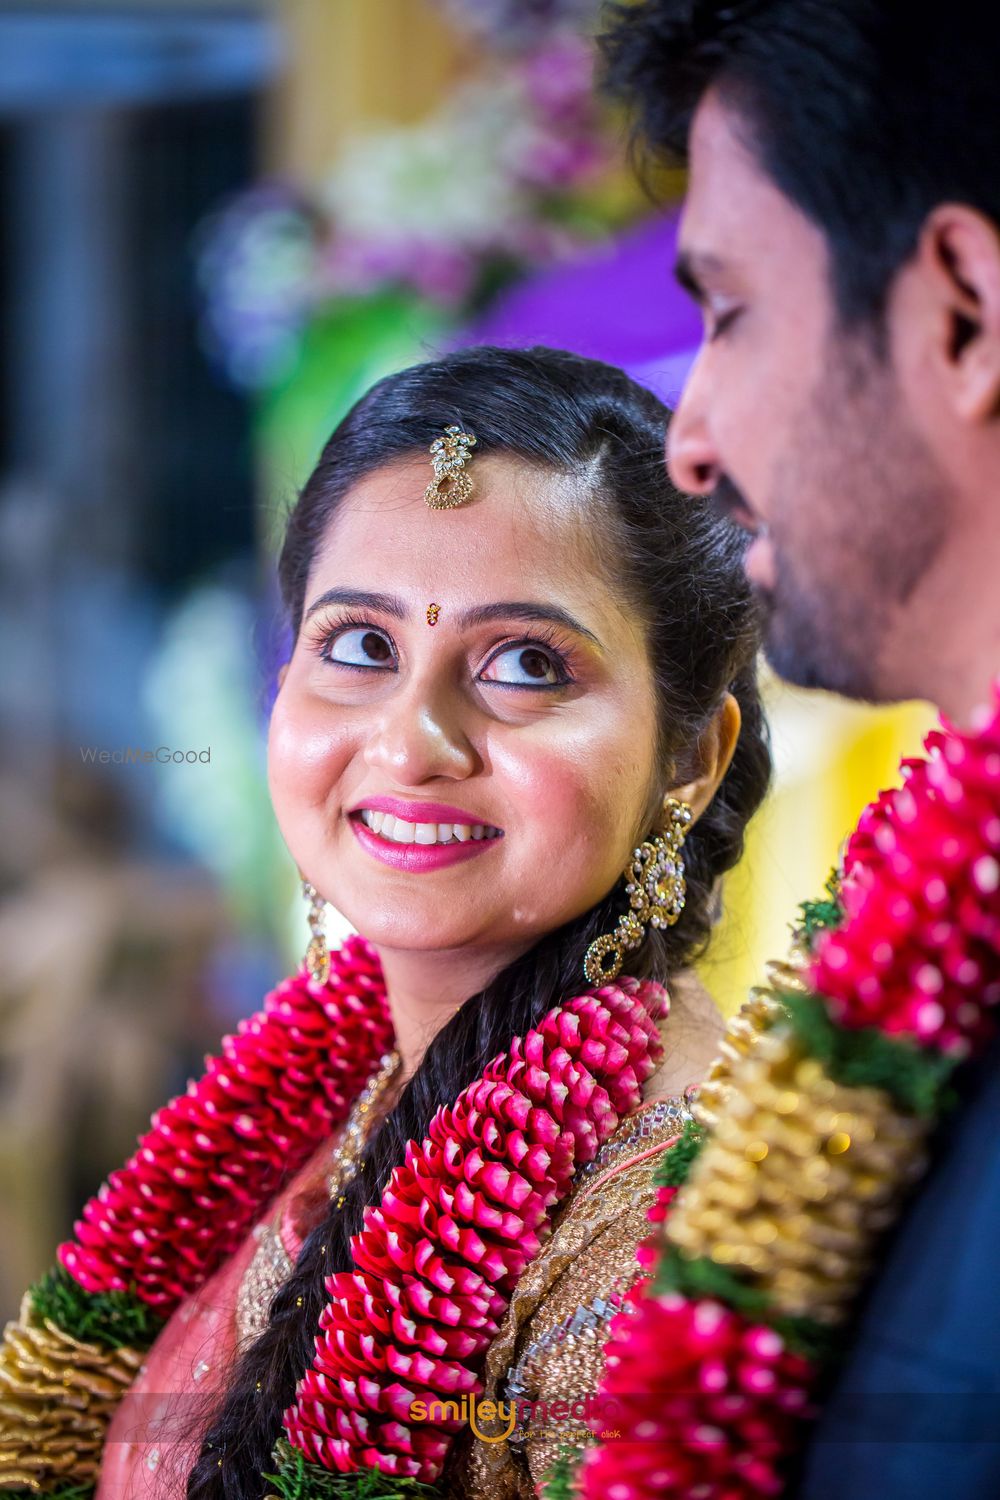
<point>809,1133</point>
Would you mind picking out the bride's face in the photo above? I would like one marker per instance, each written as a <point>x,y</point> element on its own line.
<point>480,780</point>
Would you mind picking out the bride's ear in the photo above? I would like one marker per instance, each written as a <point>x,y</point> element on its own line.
<point>714,754</point>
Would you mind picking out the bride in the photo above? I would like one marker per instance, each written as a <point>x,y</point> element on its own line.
<point>386,1229</point>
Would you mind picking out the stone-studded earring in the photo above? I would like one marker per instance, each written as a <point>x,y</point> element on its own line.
<point>317,958</point>
<point>656,890</point>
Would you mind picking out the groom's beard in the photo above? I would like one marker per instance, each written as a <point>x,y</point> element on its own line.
<point>858,514</point>
<point>830,617</point>
<point>816,630</point>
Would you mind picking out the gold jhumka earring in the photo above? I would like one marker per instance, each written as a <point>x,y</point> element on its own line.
<point>656,890</point>
<point>451,485</point>
<point>317,958</point>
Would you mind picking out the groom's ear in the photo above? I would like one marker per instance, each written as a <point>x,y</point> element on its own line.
<point>714,754</point>
<point>949,297</point>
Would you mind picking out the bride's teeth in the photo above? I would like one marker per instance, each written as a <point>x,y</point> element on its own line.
<point>397,831</point>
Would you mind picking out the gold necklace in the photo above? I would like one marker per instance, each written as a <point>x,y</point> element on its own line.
<point>357,1127</point>
<point>270,1265</point>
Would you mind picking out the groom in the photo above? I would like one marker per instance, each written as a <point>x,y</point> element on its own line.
<point>841,235</point>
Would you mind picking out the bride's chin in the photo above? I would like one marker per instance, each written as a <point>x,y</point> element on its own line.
<point>412,927</point>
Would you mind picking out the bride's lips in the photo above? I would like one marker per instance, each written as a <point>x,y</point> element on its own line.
<point>418,858</point>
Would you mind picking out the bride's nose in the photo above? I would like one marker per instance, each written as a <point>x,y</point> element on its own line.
<point>420,735</point>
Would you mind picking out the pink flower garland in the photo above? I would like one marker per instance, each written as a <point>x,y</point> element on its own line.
<point>436,1262</point>
<point>706,1403</point>
<point>919,953</point>
<point>214,1156</point>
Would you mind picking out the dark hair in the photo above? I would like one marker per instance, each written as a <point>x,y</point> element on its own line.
<point>681,570</point>
<point>864,113</point>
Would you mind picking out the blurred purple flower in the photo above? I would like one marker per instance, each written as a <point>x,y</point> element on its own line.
<point>443,274</point>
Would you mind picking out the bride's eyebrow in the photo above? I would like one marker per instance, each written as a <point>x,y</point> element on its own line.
<point>481,614</point>
<point>385,604</point>
<point>549,614</point>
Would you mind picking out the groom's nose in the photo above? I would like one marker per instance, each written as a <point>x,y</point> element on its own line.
<point>691,458</point>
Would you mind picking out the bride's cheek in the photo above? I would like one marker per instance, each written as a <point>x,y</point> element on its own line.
<point>306,757</point>
<point>558,798</point>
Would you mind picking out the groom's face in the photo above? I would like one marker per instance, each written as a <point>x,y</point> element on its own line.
<point>797,426</point>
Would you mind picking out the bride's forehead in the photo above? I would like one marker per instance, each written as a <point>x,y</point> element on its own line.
<point>516,510</point>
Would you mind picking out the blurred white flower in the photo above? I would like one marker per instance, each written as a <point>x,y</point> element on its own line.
<point>439,182</point>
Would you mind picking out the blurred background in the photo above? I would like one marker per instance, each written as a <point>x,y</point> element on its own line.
<point>219,222</point>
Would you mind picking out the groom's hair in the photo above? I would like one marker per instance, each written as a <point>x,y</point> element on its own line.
<point>864,113</point>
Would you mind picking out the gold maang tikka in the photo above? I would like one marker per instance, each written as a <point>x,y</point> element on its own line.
<point>451,485</point>
<point>317,958</point>
<point>656,891</point>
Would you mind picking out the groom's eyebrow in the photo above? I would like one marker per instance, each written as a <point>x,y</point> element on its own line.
<point>385,604</point>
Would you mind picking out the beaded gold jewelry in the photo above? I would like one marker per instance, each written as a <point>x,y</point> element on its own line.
<point>656,889</point>
<point>433,612</point>
<point>317,958</point>
<point>451,485</point>
<point>358,1126</point>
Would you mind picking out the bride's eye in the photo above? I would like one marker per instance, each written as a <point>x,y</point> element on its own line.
<point>360,646</point>
<point>526,666</point>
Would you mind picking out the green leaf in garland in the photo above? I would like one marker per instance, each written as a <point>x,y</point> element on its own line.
<point>113,1319</point>
<point>559,1480</point>
<point>703,1278</point>
<point>913,1076</point>
<point>675,1164</point>
<point>822,915</point>
<point>295,1478</point>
